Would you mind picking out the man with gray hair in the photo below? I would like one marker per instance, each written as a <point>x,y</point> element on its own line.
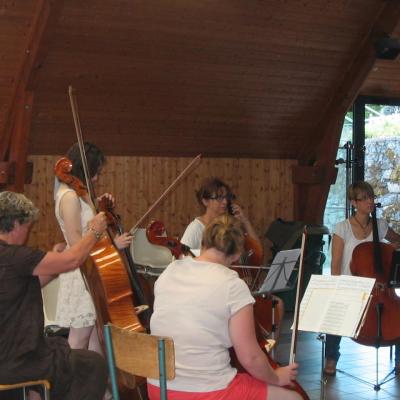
<point>25,353</point>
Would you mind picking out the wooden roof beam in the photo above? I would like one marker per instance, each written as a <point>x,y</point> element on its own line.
<point>23,72</point>
<point>15,132</point>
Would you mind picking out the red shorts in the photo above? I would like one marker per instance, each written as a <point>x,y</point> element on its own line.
<point>242,387</point>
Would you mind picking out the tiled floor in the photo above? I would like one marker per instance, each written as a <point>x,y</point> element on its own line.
<point>356,359</point>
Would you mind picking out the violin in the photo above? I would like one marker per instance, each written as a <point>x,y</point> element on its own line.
<point>156,234</point>
<point>375,260</point>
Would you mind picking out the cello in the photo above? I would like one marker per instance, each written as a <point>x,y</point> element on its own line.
<point>375,260</point>
<point>268,312</point>
<point>62,171</point>
<point>105,272</point>
<point>105,293</point>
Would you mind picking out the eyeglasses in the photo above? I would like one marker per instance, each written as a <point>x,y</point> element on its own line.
<point>220,198</point>
<point>366,197</point>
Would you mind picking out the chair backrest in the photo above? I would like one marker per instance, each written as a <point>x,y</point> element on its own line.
<point>50,295</point>
<point>145,253</point>
<point>138,354</point>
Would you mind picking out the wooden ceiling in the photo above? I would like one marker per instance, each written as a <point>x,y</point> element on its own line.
<point>258,79</point>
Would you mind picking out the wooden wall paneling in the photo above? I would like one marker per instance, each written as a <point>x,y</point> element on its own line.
<point>45,233</point>
<point>321,146</point>
<point>263,188</point>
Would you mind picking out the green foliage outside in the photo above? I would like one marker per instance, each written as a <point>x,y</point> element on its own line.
<point>382,121</point>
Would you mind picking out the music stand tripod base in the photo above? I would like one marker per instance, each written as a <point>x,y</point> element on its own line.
<point>377,385</point>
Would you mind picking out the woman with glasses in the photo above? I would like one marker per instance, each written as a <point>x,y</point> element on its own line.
<point>347,235</point>
<point>215,199</point>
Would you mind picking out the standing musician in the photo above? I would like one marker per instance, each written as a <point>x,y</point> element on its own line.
<point>75,309</point>
<point>347,235</point>
<point>206,308</point>
<point>25,353</point>
<point>214,198</point>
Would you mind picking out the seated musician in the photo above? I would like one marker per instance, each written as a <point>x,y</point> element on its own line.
<point>347,235</point>
<point>206,308</point>
<point>25,353</point>
<point>214,198</point>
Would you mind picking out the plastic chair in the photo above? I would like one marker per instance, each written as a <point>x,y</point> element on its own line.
<point>50,296</point>
<point>153,258</point>
<point>139,354</point>
<point>23,385</point>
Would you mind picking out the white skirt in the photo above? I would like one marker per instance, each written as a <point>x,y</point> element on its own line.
<point>75,307</point>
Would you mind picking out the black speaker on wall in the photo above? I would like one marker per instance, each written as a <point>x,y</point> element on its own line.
<point>387,48</point>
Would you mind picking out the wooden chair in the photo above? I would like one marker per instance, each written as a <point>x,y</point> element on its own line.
<point>23,385</point>
<point>139,354</point>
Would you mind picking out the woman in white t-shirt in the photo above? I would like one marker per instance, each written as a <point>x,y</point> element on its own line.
<point>347,235</point>
<point>214,197</point>
<point>206,308</point>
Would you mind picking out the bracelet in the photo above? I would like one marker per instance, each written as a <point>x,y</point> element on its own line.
<point>97,234</point>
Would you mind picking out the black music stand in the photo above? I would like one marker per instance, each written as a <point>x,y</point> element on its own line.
<point>279,273</point>
<point>277,278</point>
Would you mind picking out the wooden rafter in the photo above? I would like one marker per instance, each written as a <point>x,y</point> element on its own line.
<point>23,72</point>
<point>14,137</point>
<point>319,153</point>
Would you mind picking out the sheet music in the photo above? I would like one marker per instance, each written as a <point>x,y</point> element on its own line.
<point>334,304</point>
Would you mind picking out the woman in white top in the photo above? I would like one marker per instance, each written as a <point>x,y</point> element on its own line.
<point>347,235</point>
<point>206,308</point>
<point>215,199</point>
<point>75,309</point>
<point>214,196</point>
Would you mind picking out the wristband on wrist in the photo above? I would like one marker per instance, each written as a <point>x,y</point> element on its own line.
<point>96,233</point>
